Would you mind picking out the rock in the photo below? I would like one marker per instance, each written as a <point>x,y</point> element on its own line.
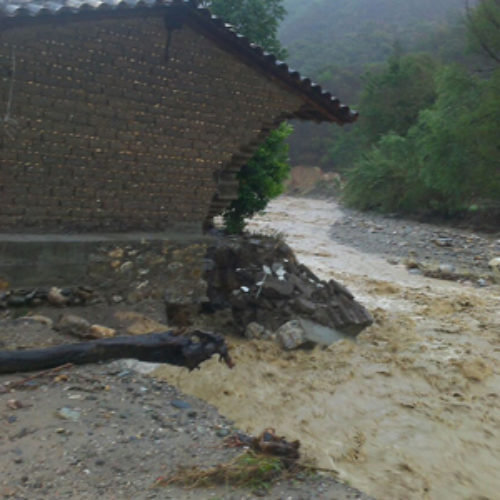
<point>85,293</point>
<point>71,324</point>
<point>56,297</point>
<point>254,330</point>
<point>16,301</point>
<point>446,269</point>
<point>443,242</point>
<point>302,305</point>
<point>126,267</point>
<point>68,414</point>
<point>320,334</point>
<point>494,265</point>
<point>117,253</point>
<point>180,404</point>
<point>275,288</point>
<point>412,263</point>
<point>37,318</point>
<point>290,335</point>
<point>304,288</point>
<point>101,332</point>
<point>322,316</point>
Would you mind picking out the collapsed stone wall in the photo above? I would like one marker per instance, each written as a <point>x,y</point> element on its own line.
<point>260,280</point>
<point>107,135</point>
<point>224,283</point>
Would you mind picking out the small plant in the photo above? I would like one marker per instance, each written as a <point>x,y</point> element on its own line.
<point>251,470</point>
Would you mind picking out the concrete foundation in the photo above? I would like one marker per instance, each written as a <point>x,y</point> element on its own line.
<point>64,260</point>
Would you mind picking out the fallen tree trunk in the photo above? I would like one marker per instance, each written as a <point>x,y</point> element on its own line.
<point>180,350</point>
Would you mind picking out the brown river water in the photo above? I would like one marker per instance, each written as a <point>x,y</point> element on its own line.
<point>411,410</point>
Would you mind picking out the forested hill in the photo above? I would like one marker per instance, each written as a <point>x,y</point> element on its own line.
<point>351,33</point>
<point>335,42</point>
<point>424,75</point>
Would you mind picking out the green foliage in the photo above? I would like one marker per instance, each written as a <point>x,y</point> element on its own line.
<point>258,20</point>
<point>261,179</point>
<point>458,140</point>
<point>332,41</point>
<point>385,178</point>
<point>448,161</point>
<point>483,23</point>
<point>392,98</point>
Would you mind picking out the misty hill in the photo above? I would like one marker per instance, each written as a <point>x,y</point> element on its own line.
<point>351,33</point>
<point>334,41</point>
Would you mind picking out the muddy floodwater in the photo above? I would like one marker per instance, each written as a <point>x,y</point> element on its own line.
<point>409,411</point>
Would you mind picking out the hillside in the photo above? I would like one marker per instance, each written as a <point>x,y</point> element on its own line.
<point>353,33</point>
<point>334,42</point>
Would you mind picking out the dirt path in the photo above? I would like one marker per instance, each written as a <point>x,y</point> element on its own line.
<point>410,411</point>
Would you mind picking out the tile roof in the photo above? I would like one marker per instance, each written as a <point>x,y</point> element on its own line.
<point>319,105</point>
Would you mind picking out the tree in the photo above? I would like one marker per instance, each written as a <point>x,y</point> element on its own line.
<point>483,24</point>
<point>393,97</point>
<point>262,177</point>
<point>258,20</point>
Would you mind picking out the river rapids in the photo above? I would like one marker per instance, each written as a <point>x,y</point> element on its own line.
<point>411,410</point>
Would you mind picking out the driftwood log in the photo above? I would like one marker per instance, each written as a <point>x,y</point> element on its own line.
<point>180,350</point>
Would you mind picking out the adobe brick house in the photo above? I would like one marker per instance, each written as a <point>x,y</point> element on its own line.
<point>133,116</point>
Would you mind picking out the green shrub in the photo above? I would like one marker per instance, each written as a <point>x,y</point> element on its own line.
<point>261,179</point>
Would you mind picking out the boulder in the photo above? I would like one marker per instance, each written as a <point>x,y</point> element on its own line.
<point>302,332</point>
<point>290,335</point>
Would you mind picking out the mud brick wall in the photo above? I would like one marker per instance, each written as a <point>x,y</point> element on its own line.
<point>110,137</point>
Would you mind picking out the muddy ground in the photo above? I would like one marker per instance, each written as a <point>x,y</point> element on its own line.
<point>409,411</point>
<point>108,431</point>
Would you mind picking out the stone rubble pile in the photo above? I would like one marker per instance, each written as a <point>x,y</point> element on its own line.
<point>261,282</point>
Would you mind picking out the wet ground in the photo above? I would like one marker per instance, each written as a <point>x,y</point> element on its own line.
<point>108,431</point>
<point>412,409</point>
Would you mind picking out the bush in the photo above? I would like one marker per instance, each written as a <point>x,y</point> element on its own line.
<point>261,179</point>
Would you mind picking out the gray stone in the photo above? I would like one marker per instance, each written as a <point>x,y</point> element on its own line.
<point>276,289</point>
<point>322,316</point>
<point>71,324</point>
<point>304,288</point>
<point>319,334</point>
<point>180,404</point>
<point>68,414</point>
<point>302,305</point>
<point>127,266</point>
<point>254,331</point>
<point>446,268</point>
<point>443,242</point>
<point>290,335</point>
